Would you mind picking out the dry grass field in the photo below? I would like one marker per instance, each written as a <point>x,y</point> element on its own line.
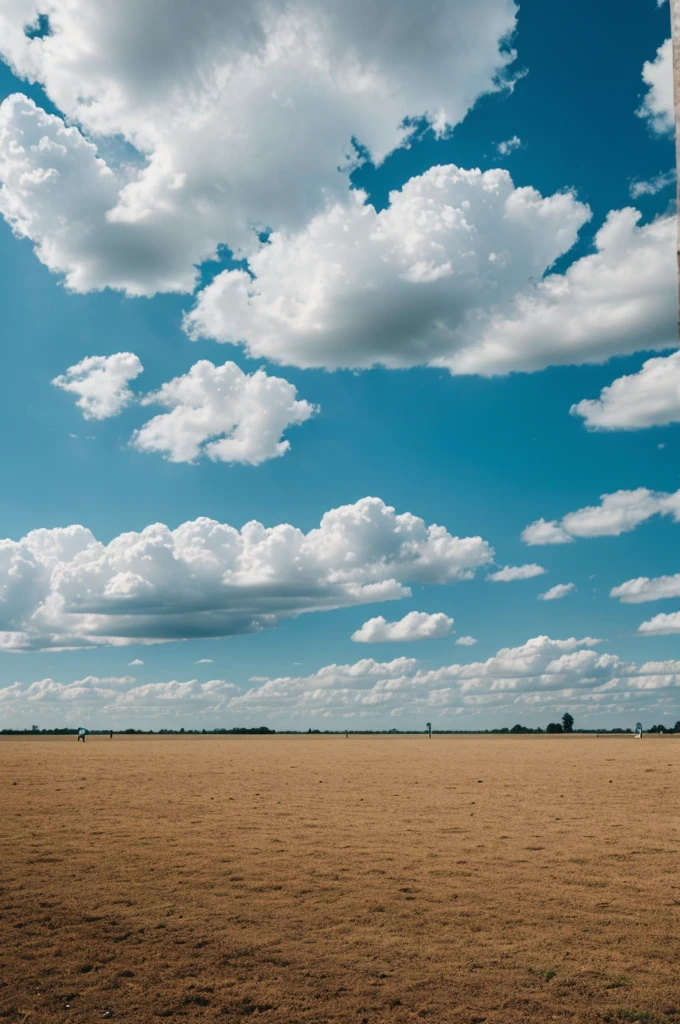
<point>320,879</point>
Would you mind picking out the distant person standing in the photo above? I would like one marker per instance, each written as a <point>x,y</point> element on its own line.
<point>81,735</point>
<point>111,734</point>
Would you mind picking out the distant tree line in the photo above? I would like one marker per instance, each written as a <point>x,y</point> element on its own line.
<point>565,726</point>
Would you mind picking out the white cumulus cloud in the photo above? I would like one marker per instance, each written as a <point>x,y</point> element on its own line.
<point>544,532</point>
<point>153,695</point>
<point>648,398</point>
<point>558,591</point>
<point>414,626</point>
<point>222,413</point>
<point>237,115</point>
<point>617,513</point>
<point>116,694</point>
<point>466,641</point>
<point>618,300</point>
<point>63,588</point>
<point>516,572</point>
<point>408,285</point>
<point>509,145</point>
<point>535,675</point>
<point>643,589</point>
<point>101,383</point>
<point>657,105</point>
<point>654,185</point>
<point>450,274</point>
<point>661,625</point>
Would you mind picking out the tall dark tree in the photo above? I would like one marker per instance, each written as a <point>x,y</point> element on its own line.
<point>567,722</point>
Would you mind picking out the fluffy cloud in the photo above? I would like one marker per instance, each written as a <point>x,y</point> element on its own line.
<point>654,185</point>
<point>238,114</point>
<point>90,690</point>
<point>617,513</point>
<point>215,411</point>
<point>648,398</point>
<point>63,588</point>
<point>534,675</point>
<point>222,413</point>
<point>643,589</point>
<point>414,626</point>
<point>101,383</point>
<point>152,695</point>
<point>516,572</point>
<point>661,625</point>
<point>558,591</point>
<point>619,300</point>
<point>544,532</point>
<point>509,145</point>
<point>401,287</point>
<point>450,274</point>
<point>657,105</point>
<point>116,695</point>
<point>466,641</point>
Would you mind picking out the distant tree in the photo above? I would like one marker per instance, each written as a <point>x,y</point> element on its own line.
<point>517,728</point>
<point>554,727</point>
<point>567,722</point>
<point>676,727</point>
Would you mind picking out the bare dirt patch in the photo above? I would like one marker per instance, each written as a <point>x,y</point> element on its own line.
<point>320,879</point>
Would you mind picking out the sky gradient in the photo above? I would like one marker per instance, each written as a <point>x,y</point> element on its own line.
<point>401,291</point>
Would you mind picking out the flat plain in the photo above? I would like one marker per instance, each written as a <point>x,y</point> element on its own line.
<point>319,878</point>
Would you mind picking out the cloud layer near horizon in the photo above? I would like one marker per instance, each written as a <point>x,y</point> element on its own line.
<point>63,588</point>
<point>535,677</point>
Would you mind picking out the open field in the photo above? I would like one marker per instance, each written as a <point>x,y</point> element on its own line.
<point>324,879</point>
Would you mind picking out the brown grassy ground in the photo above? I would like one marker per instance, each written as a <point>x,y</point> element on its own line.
<point>322,879</point>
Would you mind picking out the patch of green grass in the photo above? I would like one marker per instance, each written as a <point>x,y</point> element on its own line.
<point>636,1017</point>
<point>546,975</point>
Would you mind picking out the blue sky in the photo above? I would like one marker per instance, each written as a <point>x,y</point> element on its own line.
<point>480,447</point>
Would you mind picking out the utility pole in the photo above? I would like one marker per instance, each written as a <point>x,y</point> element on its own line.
<point>675,32</point>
